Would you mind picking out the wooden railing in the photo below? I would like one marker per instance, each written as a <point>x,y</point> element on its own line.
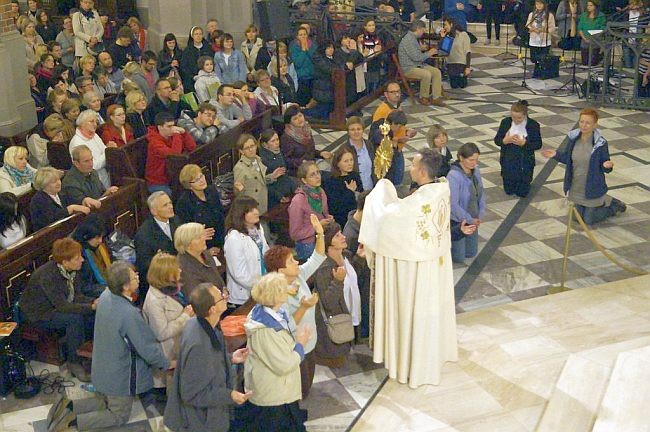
<point>124,210</point>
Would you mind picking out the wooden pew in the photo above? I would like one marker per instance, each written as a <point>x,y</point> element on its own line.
<point>219,156</point>
<point>127,161</point>
<point>124,210</point>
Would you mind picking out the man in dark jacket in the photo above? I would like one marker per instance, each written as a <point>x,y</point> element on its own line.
<point>155,234</point>
<point>81,183</point>
<point>202,390</point>
<point>165,100</point>
<point>53,301</point>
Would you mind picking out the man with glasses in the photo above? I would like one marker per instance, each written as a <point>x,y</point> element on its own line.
<point>204,127</point>
<point>229,114</point>
<point>392,102</point>
<point>149,62</point>
<point>203,389</point>
<point>165,100</point>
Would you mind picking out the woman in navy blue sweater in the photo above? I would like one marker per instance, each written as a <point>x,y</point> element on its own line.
<point>344,184</point>
<point>586,157</point>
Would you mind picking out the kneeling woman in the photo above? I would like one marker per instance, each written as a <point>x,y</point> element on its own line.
<point>587,160</point>
<point>467,200</point>
<point>518,136</point>
<point>272,370</point>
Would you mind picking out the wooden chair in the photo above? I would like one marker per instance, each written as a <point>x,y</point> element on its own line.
<point>399,75</point>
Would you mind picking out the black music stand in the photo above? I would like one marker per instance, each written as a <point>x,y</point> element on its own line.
<point>507,55</point>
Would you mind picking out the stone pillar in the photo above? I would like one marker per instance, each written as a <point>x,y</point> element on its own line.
<point>178,16</point>
<point>17,109</point>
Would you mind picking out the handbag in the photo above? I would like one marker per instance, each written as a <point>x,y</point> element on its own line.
<point>339,327</point>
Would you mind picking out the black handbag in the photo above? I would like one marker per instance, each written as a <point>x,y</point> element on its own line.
<point>547,67</point>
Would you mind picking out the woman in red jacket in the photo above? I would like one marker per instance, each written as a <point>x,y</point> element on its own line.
<point>116,130</point>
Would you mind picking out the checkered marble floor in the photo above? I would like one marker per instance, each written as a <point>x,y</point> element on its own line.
<point>521,240</point>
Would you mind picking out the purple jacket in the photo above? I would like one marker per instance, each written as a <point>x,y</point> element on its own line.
<point>459,186</point>
<point>300,228</point>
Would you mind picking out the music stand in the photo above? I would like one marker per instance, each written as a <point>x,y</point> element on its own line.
<point>507,55</point>
<point>523,81</point>
<point>572,84</point>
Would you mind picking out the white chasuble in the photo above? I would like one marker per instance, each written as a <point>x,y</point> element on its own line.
<point>408,246</point>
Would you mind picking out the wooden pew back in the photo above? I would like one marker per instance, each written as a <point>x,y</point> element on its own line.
<point>124,210</point>
<point>219,156</point>
<point>127,161</point>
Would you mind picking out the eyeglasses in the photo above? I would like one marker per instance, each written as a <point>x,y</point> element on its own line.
<point>198,179</point>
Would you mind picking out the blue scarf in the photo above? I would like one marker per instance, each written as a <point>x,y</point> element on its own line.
<point>19,177</point>
<point>89,14</point>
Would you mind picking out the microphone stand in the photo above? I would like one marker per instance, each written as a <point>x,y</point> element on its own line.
<point>572,84</point>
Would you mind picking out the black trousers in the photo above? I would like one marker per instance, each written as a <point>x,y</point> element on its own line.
<point>496,16</point>
<point>78,328</point>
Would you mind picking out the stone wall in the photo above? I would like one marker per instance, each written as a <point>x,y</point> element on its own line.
<point>17,110</point>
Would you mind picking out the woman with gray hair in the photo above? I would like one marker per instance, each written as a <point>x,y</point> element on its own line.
<point>47,205</point>
<point>93,101</point>
<point>196,263</point>
<point>16,175</point>
<point>87,134</point>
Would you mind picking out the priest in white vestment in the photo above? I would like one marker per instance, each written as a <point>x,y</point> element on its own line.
<point>408,246</point>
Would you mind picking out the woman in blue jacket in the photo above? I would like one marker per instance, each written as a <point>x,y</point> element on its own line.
<point>467,200</point>
<point>586,157</point>
<point>302,51</point>
<point>229,63</point>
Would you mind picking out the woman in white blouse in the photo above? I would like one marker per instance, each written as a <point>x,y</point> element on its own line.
<point>87,134</point>
<point>12,224</point>
<point>244,248</point>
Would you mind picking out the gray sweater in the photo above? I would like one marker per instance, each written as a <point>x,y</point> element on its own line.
<point>124,349</point>
<point>409,52</point>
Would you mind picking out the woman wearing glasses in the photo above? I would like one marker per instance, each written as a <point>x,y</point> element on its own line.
<point>200,202</point>
<point>310,198</point>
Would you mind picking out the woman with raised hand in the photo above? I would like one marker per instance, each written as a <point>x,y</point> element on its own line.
<point>343,186</point>
<point>195,259</point>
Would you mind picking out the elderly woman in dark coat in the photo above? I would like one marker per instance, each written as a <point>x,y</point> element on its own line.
<point>338,289</point>
<point>518,136</point>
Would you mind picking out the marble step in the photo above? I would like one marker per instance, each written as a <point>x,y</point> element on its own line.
<point>581,386</point>
<point>628,394</point>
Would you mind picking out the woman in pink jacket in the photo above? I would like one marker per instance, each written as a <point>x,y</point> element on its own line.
<point>309,199</point>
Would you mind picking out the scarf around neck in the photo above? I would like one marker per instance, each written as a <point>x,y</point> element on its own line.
<point>19,177</point>
<point>314,197</point>
<point>69,278</point>
<point>89,14</point>
<point>302,134</point>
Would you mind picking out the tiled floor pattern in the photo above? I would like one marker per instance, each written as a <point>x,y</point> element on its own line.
<point>543,364</point>
<point>521,243</point>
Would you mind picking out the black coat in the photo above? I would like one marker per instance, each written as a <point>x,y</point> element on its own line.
<point>354,57</point>
<point>283,186</point>
<point>189,66</point>
<point>287,91</point>
<point>189,208</point>
<point>138,123</point>
<point>322,88</point>
<point>157,106</point>
<point>43,210</point>
<point>340,199</point>
<point>149,239</point>
<point>517,163</point>
<point>165,59</point>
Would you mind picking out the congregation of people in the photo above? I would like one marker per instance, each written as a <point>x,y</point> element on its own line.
<point>156,322</point>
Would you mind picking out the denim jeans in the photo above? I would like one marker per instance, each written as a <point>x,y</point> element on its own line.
<point>304,250</point>
<point>78,328</point>
<point>467,247</point>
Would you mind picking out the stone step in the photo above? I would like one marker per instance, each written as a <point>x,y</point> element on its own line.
<point>628,394</point>
<point>581,386</point>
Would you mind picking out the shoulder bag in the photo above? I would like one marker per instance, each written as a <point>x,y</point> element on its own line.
<point>339,327</point>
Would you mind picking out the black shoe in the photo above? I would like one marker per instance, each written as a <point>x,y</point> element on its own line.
<point>619,206</point>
